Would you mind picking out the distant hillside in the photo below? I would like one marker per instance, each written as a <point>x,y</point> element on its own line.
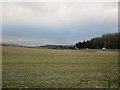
<point>46,46</point>
<point>59,46</point>
<point>15,45</point>
<point>108,41</point>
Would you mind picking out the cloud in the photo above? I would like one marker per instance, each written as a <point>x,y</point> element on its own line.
<point>57,23</point>
<point>59,14</point>
<point>38,42</point>
<point>28,41</point>
<point>28,35</point>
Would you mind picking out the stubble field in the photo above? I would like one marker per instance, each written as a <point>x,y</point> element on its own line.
<point>52,68</point>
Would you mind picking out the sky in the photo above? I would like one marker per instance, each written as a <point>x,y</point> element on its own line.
<point>58,23</point>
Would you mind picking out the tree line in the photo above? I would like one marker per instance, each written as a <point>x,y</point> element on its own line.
<point>108,41</point>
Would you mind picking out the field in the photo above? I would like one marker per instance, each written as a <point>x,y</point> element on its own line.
<point>52,68</point>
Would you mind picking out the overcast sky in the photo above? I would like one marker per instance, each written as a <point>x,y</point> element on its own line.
<point>57,23</point>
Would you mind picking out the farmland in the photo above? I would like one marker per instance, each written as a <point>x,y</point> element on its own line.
<point>53,68</point>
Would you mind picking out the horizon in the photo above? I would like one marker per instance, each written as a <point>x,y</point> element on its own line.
<point>56,44</point>
<point>36,45</point>
<point>33,24</point>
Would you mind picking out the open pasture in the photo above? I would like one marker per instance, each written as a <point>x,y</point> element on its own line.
<point>52,68</point>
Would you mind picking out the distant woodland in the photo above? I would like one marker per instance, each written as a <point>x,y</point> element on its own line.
<point>108,41</point>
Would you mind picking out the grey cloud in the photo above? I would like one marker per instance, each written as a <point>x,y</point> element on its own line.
<point>57,23</point>
<point>59,14</point>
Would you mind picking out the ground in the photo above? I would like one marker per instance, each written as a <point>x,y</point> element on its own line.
<point>51,68</point>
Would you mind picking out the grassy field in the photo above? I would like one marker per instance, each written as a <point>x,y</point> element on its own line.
<point>50,68</point>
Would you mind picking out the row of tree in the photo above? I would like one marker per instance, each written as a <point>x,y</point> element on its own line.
<point>108,41</point>
<point>59,46</point>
